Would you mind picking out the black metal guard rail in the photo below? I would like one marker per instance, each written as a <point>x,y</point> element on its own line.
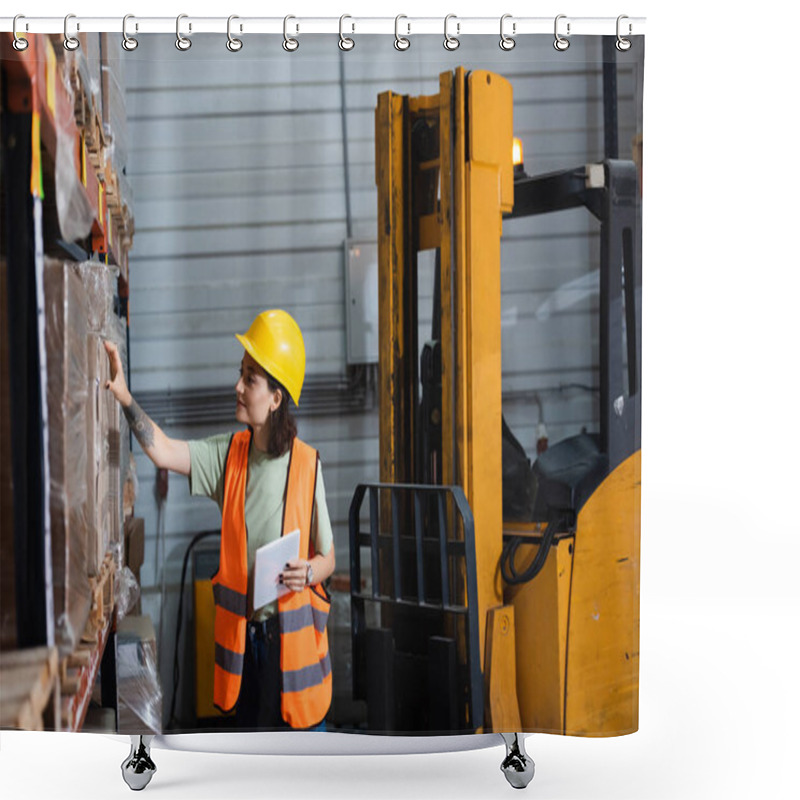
<point>448,548</point>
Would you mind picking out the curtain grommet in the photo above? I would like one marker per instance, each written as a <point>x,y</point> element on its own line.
<point>507,42</point>
<point>622,44</point>
<point>345,42</point>
<point>289,44</point>
<point>401,43</point>
<point>128,42</point>
<point>233,44</point>
<point>71,43</point>
<point>451,42</point>
<point>20,43</point>
<point>560,43</point>
<point>181,42</point>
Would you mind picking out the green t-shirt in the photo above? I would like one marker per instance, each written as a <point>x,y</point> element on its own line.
<point>263,504</point>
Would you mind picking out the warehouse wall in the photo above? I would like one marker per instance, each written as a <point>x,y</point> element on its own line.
<point>237,168</point>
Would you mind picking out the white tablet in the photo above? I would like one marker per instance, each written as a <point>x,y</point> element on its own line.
<point>270,562</point>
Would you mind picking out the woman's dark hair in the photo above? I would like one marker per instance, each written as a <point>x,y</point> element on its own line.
<point>282,427</point>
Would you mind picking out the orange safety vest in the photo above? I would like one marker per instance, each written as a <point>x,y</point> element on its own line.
<point>305,661</point>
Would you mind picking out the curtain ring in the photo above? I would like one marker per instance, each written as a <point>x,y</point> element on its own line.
<point>289,44</point>
<point>561,43</point>
<point>623,44</point>
<point>181,42</point>
<point>233,44</point>
<point>70,42</point>
<point>20,43</point>
<point>400,42</point>
<point>345,42</point>
<point>451,42</point>
<point>507,42</point>
<point>128,43</point>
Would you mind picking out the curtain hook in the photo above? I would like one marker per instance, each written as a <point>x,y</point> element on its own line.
<point>233,44</point>
<point>289,44</point>
<point>128,42</point>
<point>400,42</point>
<point>70,42</point>
<point>507,42</point>
<point>20,43</point>
<point>623,44</point>
<point>345,42</point>
<point>181,42</point>
<point>451,42</point>
<point>561,43</point>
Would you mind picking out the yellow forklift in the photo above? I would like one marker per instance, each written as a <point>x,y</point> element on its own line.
<point>482,604</point>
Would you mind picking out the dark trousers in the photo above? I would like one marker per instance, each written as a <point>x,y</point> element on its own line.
<point>259,706</point>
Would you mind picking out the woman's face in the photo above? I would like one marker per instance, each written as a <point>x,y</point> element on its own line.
<point>254,399</point>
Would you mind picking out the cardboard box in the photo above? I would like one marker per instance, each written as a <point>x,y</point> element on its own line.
<point>67,394</point>
<point>102,418</point>
<point>134,544</point>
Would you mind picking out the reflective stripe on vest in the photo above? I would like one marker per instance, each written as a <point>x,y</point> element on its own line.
<point>305,661</point>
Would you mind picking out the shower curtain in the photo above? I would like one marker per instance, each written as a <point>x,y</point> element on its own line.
<point>457,233</point>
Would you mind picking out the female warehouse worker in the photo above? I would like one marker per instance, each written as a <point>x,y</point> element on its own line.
<point>271,663</point>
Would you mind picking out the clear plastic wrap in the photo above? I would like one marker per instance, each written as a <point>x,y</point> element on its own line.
<point>75,215</point>
<point>67,382</point>
<point>139,694</point>
<point>99,281</point>
<point>115,121</point>
<point>102,437</point>
<point>126,593</point>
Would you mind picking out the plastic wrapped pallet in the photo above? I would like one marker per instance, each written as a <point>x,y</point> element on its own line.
<point>75,215</point>
<point>67,382</point>
<point>107,431</point>
<point>83,70</point>
<point>103,447</point>
<point>115,122</point>
<point>139,695</point>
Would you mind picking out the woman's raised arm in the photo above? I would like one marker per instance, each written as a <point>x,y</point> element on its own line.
<point>165,453</point>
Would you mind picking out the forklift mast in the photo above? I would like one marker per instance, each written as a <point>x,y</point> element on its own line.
<point>445,177</point>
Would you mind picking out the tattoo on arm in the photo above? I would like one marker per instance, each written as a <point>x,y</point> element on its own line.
<point>140,424</point>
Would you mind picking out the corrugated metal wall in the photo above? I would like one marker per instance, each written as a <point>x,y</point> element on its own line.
<point>237,166</point>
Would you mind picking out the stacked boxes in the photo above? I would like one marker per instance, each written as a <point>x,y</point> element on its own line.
<point>103,414</point>
<point>84,78</point>
<point>103,457</point>
<point>84,423</point>
<point>67,381</point>
<point>115,122</point>
<point>114,118</point>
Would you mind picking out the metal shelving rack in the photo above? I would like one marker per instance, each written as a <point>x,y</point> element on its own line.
<point>48,691</point>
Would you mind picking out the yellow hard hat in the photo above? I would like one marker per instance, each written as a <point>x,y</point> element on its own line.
<point>275,342</point>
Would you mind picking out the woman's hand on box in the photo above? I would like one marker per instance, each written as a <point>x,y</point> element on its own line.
<point>117,384</point>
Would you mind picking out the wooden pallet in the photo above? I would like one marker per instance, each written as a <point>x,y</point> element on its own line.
<point>78,673</point>
<point>102,588</point>
<point>28,680</point>
<point>87,117</point>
